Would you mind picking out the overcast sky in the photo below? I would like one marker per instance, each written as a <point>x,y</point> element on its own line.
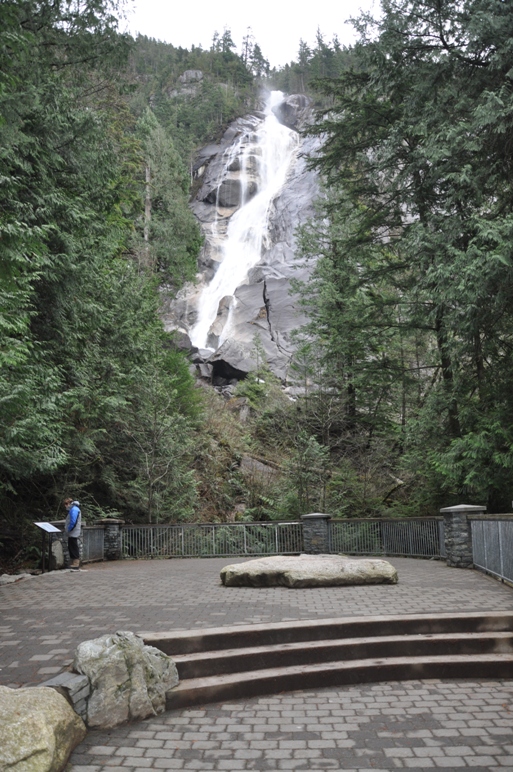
<point>277,25</point>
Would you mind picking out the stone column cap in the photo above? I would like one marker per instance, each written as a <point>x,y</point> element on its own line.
<point>110,521</point>
<point>316,516</point>
<point>465,508</point>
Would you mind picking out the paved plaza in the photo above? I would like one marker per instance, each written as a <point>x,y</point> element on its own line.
<point>416,724</point>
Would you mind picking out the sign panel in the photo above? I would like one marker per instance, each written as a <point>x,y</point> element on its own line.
<point>48,527</point>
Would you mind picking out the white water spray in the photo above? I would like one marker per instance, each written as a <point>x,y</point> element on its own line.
<point>273,147</point>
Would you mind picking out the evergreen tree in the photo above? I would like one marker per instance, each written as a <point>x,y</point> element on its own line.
<point>79,329</point>
<point>171,236</point>
<point>416,270</point>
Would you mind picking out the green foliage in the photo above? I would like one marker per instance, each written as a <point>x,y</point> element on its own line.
<point>325,60</point>
<point>413,285</point>
<point>219,443</point>
<point>84,372</point>
<point>169,237</point>
<point>196,113</point>
<point>307,476</point>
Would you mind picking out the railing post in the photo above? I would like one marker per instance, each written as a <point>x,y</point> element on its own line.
<point>316,533</point>
<point>458,534</point>
<point>112,538</point>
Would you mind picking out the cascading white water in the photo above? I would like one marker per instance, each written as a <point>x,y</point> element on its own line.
<point>273,147</point>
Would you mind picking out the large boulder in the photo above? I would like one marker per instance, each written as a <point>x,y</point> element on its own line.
<point>128,680</point>
<point>38,730</point>
<point>308,571</point>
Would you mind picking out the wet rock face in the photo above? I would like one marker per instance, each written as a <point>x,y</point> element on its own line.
<point>294,111</point>
<point>211,165</point>
<point>228,194</point>
<point>263,305</point>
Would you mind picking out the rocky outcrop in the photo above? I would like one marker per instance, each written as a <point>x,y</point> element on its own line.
<point>38,730</point>
<point>191,76</point>
<point>128,680</point>
<point>295,111</point>
<point>189,82</point>
<point>308,571</point>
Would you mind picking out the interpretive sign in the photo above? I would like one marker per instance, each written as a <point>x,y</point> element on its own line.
<point>46,528</point>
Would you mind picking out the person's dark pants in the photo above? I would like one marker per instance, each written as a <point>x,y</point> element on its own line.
<point>74,549</point>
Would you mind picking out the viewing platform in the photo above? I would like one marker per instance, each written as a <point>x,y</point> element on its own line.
<point>420,724</point>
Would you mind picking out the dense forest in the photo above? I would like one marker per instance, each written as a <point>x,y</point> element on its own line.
<point>406,402</point>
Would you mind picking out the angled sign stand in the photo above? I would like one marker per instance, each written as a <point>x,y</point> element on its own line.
<point>46,528</point>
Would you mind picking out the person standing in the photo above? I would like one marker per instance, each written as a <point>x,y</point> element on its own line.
<point>73,527</point>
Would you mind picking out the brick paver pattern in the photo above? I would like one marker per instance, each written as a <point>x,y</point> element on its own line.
<point>418,725</point>
<point>421,725</point>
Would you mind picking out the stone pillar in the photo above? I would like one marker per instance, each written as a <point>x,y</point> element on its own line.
<point>112,538</point>
<point>458,535</point>
<point>316,533</point>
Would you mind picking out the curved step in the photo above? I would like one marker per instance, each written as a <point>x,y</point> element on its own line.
<point>272,680</point>
<point>204,664</point>
<point>213,639</point>
<point>245,661</point>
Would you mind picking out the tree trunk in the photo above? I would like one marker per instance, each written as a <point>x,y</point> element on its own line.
<point>447,374</point>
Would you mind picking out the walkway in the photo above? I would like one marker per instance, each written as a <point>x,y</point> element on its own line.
<point>385,726</point>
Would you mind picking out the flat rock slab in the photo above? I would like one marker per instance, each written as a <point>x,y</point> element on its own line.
<point>308,571</point>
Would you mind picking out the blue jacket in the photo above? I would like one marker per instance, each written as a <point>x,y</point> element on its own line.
<point>73,520</point>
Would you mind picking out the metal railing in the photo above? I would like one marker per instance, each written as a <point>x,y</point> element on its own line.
<point>492,546</point>
<point>215,540</point>
<point>92,543</point>
<point>412,537</point>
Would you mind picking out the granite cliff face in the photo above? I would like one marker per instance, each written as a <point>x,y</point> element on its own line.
<point>255,190</point>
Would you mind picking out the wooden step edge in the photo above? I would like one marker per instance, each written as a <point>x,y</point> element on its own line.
<point>300,645</point>
<point>215,638</point>
<point>250,684</point>
<point>212,663</point>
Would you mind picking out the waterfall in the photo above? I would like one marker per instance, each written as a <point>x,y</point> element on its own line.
<point>265,158</point>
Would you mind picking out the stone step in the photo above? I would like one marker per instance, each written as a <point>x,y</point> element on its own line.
<point>245,661</point>
<point>210,663</point>
<point>232,686</point>
<point>243,636</point>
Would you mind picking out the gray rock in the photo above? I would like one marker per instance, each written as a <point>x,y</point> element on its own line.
<point>12,578</point>
<point>228,194</point>
<point>57,561</point>
<point>215,164</point>
<point>205,371</point>
<point>191,76</point>
<point>234,166</point>
<point>181,341</point>
<point>308,571</point>
<point>74,687</point>
<point>294,111</point>
<point>128,680</point>
<point>38,730</point>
